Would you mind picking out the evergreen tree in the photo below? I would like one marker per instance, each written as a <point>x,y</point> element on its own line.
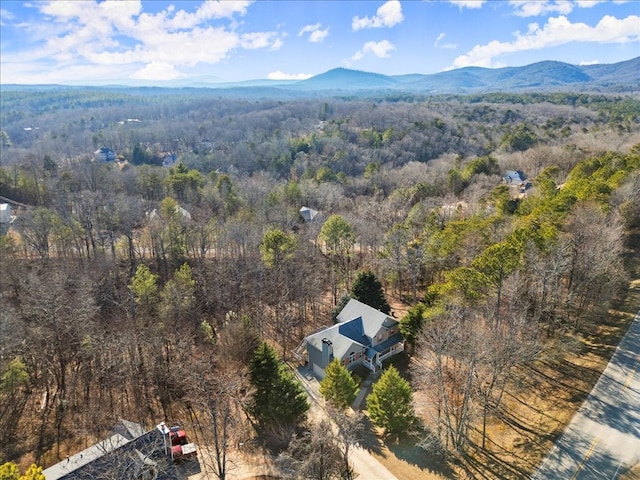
<point>279,398</point>
<point>338,386</point>
<point>276,247</point>
<point>263,374</point>
<point>368,289</point>
<point>412,322</point>
<point>34,472</point>
<point>9,471</point>
<point>144,286</point>
<point>389,403</point>
<point>335,311</point>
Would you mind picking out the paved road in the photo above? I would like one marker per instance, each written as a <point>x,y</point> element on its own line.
<point>603,439</point>
<point>366,466</point>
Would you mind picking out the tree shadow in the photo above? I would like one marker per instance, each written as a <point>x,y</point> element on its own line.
<point>407,450</point>
<point>488,465</point>
<point>188,468</point>
<point>370,440</point>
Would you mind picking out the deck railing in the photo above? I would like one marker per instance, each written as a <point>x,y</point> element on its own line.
<point>397,348</point>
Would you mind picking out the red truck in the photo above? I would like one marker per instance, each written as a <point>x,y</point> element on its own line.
<point>181,448</point>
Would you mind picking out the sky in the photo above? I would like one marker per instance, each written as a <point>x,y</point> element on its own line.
<point>152,41</point>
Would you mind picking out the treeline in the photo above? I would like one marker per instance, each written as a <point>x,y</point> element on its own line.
<point>286,138</point>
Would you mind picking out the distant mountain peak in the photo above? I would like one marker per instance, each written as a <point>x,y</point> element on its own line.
<point>344,78</point>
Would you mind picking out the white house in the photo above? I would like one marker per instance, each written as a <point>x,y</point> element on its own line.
<point>514,177</point>
<point>5,213</point>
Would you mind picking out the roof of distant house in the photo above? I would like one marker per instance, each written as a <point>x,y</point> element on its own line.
<point>308,213</point>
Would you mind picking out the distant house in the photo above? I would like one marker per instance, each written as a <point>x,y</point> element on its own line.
<point>185,216</point>
<point>5,218</point>
<point>308,213</point>
<point>129,452</point>
<point>514,177</point>
<point>169,159</point>
<point>104,154</point>
<point>362,336</point>
<point>5,213</point>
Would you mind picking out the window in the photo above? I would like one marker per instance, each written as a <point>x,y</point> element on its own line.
<point>352,357</point>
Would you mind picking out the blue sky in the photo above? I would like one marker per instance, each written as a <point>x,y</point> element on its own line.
<point>94,42</point>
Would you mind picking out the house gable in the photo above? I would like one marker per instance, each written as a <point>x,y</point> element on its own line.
<point>376,326</point>
<point>363,333</point>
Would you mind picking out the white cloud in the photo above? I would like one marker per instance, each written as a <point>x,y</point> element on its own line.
<point>316,34</point>
<point>589,3</point>
<point>557,31</point>
<point>532,8</point>
<point>437,43</point>
<point>468,3</point>
<point>157,71</point>
<point>388,15</point>
<point>589,62</point>
<point>121,36</point>
<point>309,28</point>
<point>379,49</point>
<point>278,75</point>
<point>257,40</point>
<point>538,7</point>
<point>5,16</point>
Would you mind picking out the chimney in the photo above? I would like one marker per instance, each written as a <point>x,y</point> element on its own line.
<point>327,351</point>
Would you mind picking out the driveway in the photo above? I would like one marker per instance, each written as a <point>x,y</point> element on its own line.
<point>603,439</point>
<point>366,466</point>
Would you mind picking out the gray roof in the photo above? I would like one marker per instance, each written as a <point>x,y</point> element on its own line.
<point>129,429</point>
<point>85,457</point>
<point>308,213</point>
<point>514,176</point>
<point>341,345</point>
<point>372,319</point>
<point>358,323</point>
<point>126,454</point>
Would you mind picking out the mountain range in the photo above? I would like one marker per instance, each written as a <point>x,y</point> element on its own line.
<point>542,76</point>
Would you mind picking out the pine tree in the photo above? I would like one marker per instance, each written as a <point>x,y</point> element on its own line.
<point>389,403</point>
<point>279,398</point>
<point>263,374</point>
<point>411,324</point>
<point>9,471</point>
<point>338,386</point>
<point>368,290</point>
<point>34,472</point>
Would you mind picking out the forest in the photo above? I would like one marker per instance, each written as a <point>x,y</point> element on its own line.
<point>173,281</point>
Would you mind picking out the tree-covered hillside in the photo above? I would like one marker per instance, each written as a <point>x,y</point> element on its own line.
<point>136,290</point>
